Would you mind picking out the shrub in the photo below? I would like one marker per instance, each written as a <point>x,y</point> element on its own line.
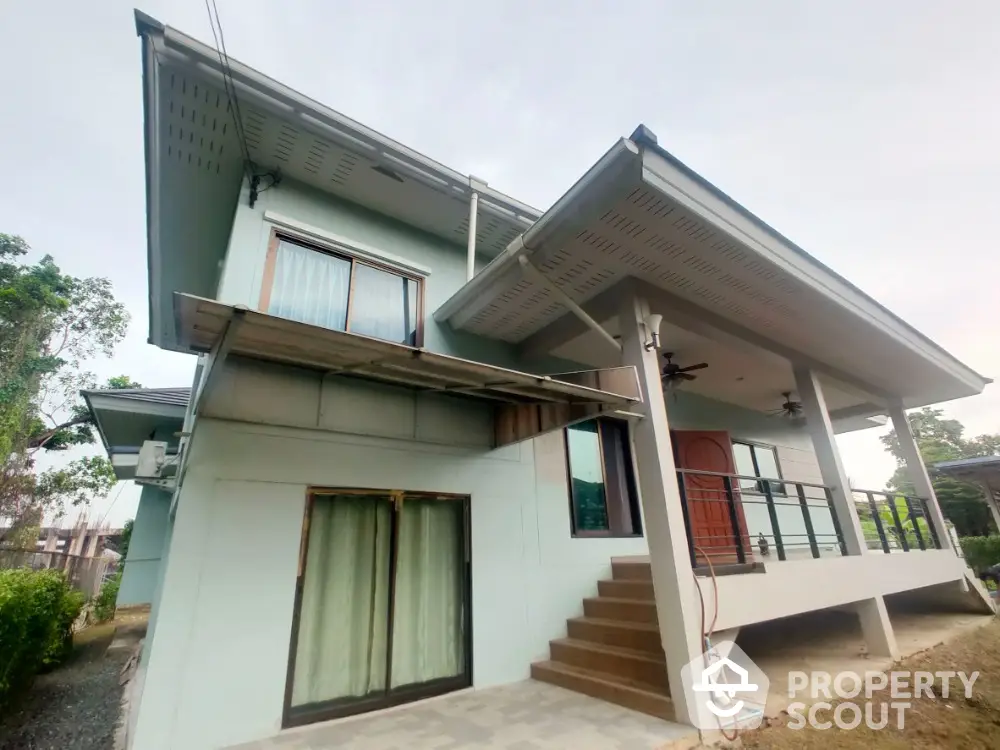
<point>104,604</point>
<point>37,610</point>
<point>981,551</point>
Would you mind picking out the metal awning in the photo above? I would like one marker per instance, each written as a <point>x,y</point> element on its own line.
<point>205,326</point>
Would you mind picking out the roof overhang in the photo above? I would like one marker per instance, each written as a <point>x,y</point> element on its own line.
<point>194,168</point>
<point>526,403</point>
<point>639,213</point>
<point>982,469</point>
<point>126,418</point>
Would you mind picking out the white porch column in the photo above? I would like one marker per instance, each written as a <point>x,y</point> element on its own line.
<point>669,556</point>
<point>917,472</point>
<point>825,445</point>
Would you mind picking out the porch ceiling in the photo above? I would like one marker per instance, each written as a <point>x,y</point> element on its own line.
<point>194,167</point>
<point>753,379</point>
<point>641,214</point>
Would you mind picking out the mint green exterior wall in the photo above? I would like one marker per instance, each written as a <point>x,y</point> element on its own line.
<point>244,265</point>
<point>145,551</point>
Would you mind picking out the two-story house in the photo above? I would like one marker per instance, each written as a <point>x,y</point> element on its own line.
<point>439,439</point>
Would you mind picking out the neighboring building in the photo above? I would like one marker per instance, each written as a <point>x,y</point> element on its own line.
<point>982,470</point>
<point>379,497</point>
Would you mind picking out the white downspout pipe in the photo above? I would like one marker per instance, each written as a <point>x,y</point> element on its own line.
<point>475,186</point>
<point>473,214</point>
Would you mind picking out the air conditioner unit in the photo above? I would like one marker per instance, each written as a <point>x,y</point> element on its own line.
<point>152,457</point>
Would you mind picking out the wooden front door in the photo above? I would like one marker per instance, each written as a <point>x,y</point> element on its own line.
<point>707,503</point>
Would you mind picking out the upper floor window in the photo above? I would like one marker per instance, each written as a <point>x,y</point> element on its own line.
<point>603,500</point>
<point>756,460</point>
<point>323,288</point>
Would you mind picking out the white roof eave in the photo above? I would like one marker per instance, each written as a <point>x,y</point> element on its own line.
<point>666,174</point>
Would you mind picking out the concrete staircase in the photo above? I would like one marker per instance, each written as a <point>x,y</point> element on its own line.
<point>613,652</point>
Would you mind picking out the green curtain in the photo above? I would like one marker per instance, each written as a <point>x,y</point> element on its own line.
<point>343,624</point>
<point>428,621</point>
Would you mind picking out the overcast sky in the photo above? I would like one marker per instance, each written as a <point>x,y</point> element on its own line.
<point>869,133</point>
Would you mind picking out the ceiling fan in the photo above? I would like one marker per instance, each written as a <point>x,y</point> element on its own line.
<point>674,375</point>
<point>789,409</point>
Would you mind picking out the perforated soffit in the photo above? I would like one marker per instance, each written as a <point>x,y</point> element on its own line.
<point>197,130</point>
<point>646,235</point>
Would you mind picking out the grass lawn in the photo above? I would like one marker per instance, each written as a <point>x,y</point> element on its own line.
<point>953,722</point>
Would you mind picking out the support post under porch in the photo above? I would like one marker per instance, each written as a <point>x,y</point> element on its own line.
<point>669,556</point>
<point>917,472</point>
<point>877,628</point>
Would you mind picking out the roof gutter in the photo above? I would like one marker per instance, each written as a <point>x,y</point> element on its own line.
<point>146,27</point>
<point>572,210</point>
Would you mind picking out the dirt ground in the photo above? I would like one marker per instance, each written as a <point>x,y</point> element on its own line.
<point>74,707</point>
<point>939,722</point>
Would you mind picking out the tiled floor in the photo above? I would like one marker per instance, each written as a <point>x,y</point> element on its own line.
<point>523,716</point>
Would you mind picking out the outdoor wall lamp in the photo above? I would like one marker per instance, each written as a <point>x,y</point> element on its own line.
<point>652,324</point>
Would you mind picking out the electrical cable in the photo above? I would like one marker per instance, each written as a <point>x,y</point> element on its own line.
<point>253,173</point>
<point>230,86</point>
<point>707,634</point>
<point>120,490</point>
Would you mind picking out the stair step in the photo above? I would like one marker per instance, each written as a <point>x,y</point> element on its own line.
<point>631,570</point>
<point>639,636</point>
<point>626,589</point>
<point>640,667</point>
<point>630,610</point>
<point>605,687</point>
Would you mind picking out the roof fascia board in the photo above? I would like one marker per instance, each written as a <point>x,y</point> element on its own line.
<point>667,175</point>
<point>105,402</point>
<point>97,421</point>
<point>151,145</point>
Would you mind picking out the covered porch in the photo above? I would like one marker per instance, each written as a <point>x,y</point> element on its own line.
<point>751,357</point>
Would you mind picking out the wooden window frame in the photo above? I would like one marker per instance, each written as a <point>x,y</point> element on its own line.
<point>292,716</point>
<point>271,264</point>
<point>778,489</point>
<point>626,505</point>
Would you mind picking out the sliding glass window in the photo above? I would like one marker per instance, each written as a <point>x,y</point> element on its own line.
<point>313,285</point>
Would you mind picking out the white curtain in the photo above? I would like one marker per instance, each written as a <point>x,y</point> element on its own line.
<point>342,641</point>
<point>310,286</point>
<point>384,306</point>
<point>428,622</point>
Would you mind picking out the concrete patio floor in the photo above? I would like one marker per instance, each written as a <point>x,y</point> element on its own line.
<point>523,716</point>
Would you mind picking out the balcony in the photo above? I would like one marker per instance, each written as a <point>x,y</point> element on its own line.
<point>737,523</point>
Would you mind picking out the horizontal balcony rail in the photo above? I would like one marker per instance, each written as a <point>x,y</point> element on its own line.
<point>894,522</point>
<point>731,518</point>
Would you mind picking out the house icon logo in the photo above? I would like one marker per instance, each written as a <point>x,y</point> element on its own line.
<point>726,689</point>
<point>722,702</point>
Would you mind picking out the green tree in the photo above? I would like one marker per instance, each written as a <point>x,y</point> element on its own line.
<point>51,325</point>
<point>941,439</point>
<point>126,538</point>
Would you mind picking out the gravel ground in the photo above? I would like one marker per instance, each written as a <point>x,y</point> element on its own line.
<point>75,707</point>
